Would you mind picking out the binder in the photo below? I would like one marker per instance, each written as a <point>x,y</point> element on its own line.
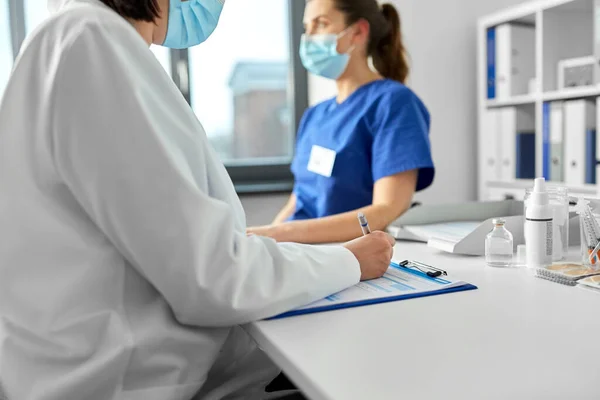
<point>491,63</point>
<point>515,59</point>
<point>525,157</point>
<point>590,157</point>
<point>580,117</point>
<point>597,141</point>
<point>490,157</point>
<point>556,142</point>
<point>513,120</point>
<point>546,157</point>
<point>403,281</point>
<point>508,134</point>
<point>503,70</point>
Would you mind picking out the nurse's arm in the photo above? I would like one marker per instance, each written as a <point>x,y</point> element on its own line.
<point>392,196</point>
<point>286,211</point>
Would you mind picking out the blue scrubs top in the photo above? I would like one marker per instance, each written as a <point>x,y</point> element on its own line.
<point>382,129</point>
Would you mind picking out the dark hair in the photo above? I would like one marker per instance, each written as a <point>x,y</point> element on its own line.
<point>386,46</point>
<point>139,10</point>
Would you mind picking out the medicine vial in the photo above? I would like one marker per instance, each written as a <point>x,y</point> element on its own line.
<point>499,245</point>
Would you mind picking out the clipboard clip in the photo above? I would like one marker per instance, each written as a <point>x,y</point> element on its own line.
<point>430,271</point>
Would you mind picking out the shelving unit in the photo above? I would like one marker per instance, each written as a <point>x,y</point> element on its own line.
<point>564,29</point>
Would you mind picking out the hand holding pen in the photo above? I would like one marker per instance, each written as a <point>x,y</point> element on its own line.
<point>373,251</point>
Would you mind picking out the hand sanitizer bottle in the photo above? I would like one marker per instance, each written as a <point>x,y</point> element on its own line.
<point>538,227</point>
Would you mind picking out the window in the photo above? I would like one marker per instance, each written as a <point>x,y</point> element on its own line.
<point>6,55</point>
<point>36,11</point>
<point>239,82</point>
<point>245,86</point>
<point>163,55</point>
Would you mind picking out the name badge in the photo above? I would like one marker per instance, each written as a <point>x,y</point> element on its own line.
<point>321,161</point>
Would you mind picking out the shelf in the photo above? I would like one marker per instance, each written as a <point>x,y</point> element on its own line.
<point>564,5</point>
<point>564,30</point>
<point>525,11</point>
<point>513,101</point>
<point>527,183</point>
<point>572,93</point>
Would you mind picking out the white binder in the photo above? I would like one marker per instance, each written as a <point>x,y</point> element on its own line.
<point>556,141</point>
<point>579,117</point>
<point>490,157</point>
<point>515,59</point>
<point>508,169</point>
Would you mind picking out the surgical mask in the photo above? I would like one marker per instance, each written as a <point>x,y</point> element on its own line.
<point>319,55</point>
<point>191,22</point>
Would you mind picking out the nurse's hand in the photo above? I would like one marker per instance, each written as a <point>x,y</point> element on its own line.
<point>374,253</point>
<point>266,231</point>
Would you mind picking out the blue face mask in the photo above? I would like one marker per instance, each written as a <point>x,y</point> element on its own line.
<point>191,22</point>
<point>319,55</point>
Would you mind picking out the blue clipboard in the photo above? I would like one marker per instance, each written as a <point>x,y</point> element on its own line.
<point>368,302</point>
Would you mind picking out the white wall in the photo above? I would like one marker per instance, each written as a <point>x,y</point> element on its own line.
<point>441,38</point>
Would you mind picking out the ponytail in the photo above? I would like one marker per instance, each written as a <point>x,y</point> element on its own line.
<point>389,54</point>
<point>385,42</point>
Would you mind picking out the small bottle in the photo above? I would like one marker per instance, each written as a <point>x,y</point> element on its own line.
<point>538,227</point>
<point>499,245</point>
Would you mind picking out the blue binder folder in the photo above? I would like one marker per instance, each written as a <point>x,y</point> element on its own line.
<point>399,283</point>
<point>546,157</point>
<point>590,157</point>
<point>491,63</point>
<point>525,160</point>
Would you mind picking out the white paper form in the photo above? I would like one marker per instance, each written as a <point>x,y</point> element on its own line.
<point>397,281</point>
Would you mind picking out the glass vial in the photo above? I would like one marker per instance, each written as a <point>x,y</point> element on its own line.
<point>499,245</point>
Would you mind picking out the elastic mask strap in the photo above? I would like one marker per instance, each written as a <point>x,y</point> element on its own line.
<point>342,34</point>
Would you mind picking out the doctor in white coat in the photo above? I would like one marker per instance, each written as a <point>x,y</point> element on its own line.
<point>125,268</point>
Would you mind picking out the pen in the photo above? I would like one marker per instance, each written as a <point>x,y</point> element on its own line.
<point>364,224</point>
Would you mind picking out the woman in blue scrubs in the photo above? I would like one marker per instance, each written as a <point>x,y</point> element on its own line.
<point>365,150</point>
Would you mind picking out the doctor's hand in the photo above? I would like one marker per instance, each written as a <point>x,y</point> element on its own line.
<point>374,253</point>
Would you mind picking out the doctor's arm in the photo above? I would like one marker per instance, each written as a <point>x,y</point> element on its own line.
<point>392,196</point>
<point>137,164</point>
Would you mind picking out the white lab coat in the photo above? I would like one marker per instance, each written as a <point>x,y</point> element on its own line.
<point>123,254</point>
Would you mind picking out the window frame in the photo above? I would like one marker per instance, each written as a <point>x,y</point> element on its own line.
<point>264,175</point>
<point>16,22</point>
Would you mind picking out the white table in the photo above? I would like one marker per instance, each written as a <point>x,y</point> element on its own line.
<point>490,343</point>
